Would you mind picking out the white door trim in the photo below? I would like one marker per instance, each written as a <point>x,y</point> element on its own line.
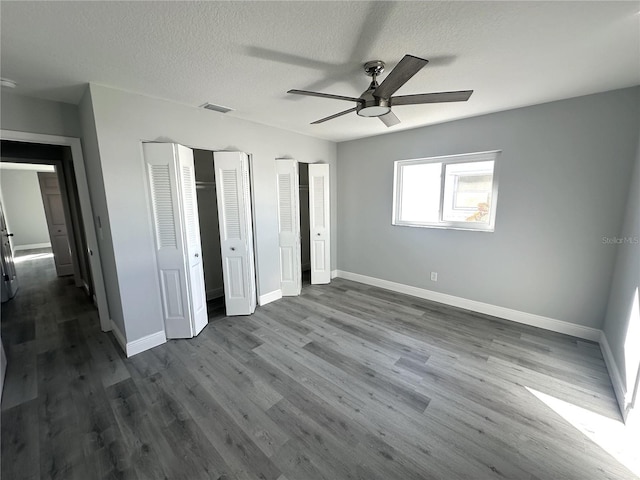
<point>85,207</point>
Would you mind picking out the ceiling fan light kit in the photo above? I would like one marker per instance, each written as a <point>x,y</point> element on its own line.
<point>377,100</point>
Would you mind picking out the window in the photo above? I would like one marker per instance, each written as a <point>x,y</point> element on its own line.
<point>457,191</point>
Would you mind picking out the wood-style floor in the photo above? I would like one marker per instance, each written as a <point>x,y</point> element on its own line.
<point>346,381</point>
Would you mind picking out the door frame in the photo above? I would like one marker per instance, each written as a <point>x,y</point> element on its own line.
<point>85,206</point>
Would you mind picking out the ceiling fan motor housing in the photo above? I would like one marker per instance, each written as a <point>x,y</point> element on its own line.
<point>369,105</point>
<point>372,106</point>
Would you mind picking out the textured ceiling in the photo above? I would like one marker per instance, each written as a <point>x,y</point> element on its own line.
<point>246,55</point>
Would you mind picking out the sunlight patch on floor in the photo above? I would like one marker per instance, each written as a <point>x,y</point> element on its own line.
<point>34,256</point>
<point>611,435</point>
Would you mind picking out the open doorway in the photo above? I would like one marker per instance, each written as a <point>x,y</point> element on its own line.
<point>305,232</point>
<point>42,206</point>
<point>17,146</point>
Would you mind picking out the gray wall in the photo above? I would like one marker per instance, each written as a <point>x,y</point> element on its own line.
<point>563,181</point>
<point>93,170</point>
<point>23,207</point>
<point>26,114</point>
<point>624,288</point>
<point>122,122</point>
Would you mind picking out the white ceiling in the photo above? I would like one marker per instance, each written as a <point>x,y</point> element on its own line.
<point>246,55</point>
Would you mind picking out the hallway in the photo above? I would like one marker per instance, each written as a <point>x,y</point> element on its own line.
<point>54,347</point>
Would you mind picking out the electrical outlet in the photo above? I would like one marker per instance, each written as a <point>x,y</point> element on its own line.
<point>434,276</point>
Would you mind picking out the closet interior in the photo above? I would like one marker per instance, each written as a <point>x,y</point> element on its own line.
<point>305,236</point>
<point>209,230</point>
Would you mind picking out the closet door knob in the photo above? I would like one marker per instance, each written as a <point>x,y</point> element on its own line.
<point>197,255</point>
<point>233,249</point>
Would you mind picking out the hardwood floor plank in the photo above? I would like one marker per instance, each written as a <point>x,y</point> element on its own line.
<point>21,376</point>
<point>371,377</point>
<point>20,441</point>
<point>252,419</point>
<point>323,449</point>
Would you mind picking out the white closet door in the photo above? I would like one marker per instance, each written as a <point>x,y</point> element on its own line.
<point>289,227</point>
<point>320,223</point>
<point>236,233</point>
<point>191,232</point>
<point>181,288</point>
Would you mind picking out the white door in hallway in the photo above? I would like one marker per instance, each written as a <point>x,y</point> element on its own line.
<point>236,231</point>
<point>172,195</point>
<point>9,280</point>
<point>289,226</point>
<point>319,220</point>
<point>56,222</point>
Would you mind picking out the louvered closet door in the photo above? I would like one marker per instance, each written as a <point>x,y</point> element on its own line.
<point>175,237</point>
<point>289,227</point>
<point>191,231</point>
<point>320,223</point>
<point>236,234</point>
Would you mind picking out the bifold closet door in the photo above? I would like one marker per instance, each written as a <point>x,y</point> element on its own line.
<point>319,220</point>
<point>289,226</point>
<point>236,231</point>
<point>171,179</point>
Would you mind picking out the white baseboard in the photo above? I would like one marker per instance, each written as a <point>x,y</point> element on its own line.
<point>269,297</point>
<point>534,320</point>
<point>616,379</point>
<point>31,246</point>
<point>146,343</point>
<point>138,346</point>
<point>335,273</point>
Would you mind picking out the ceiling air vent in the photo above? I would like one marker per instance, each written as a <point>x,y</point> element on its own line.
<point>216,108</point>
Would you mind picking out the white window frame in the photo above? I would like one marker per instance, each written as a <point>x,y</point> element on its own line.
<point>446,160</point>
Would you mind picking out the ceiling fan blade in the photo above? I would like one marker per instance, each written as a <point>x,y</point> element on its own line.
<point>389,119</point>
<point>407,68</point>
<point>335,115</point>
<point>461,96</point>
<point>323,95</point>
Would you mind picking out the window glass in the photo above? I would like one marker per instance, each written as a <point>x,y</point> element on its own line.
<point>458,191</point>
<point>467,192</point>
<point>420,201</point>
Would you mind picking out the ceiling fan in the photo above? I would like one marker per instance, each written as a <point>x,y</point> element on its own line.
<point>377,100</point>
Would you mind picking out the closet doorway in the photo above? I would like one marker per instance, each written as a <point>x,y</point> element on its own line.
<point>189,266</point>
<point>303,224</point>
<point>209,230</point>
